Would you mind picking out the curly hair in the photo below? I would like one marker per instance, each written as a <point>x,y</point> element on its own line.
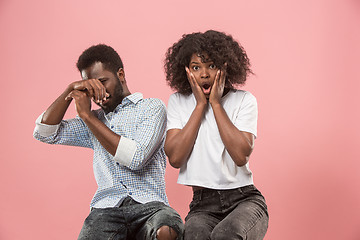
<point>100,53</point>
<point>219,47</point>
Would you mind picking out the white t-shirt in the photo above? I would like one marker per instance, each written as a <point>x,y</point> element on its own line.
<point>209,164</point>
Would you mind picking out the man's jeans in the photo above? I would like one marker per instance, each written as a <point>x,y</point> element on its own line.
<point>131,220</point>
<point>227,214</point>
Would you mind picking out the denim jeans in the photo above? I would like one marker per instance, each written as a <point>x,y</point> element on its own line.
<point>227,214</point>
<point>132,220</point>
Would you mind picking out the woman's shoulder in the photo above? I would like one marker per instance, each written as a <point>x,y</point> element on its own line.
<point>242,95</point>
<point>178,97</point>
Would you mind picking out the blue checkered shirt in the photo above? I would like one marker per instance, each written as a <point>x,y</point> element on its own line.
<point>138,167</point>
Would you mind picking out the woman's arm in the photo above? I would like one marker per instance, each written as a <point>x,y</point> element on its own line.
<point>239,144</point>
<point>179,142</point>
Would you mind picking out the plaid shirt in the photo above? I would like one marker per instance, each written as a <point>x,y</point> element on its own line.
<point>138,167</point>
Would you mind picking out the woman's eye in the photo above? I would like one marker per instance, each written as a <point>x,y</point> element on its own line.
<point>195,68</point>
<point>212,66</point>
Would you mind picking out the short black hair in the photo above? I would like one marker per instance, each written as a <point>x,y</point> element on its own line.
<point>219,47</point>
<point>100,53</point>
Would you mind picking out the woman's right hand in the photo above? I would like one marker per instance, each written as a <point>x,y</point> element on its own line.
<point>196,89</point>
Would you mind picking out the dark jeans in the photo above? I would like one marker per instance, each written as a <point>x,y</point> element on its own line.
<point>227,214</point>
<point>132,220</point>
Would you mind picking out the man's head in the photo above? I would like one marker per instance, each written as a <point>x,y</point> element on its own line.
<point>100,53</point>
<point>103,63</point>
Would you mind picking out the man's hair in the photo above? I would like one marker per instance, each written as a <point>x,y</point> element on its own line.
<point>100,53</point>
<point>219,47</point>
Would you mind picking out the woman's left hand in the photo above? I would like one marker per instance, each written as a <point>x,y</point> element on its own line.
<point>217,89</point>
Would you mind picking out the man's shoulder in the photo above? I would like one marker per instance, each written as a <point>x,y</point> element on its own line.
<point>99,113</point>
<point>152,103</point>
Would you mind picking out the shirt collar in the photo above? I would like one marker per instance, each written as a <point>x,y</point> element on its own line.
<point>132,98</point>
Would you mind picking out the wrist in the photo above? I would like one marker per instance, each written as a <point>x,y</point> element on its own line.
<point>201,105</point>
<point>215,104</point>
<point>86,116</point>
<point>70,87</point>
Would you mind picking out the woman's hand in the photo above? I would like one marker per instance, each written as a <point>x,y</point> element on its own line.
<point>196,89</point>
<point>217,89</point>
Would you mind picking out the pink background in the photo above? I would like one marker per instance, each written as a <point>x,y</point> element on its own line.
<point>306,58</point>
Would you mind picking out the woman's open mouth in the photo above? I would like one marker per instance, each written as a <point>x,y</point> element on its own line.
<point>206,88</point>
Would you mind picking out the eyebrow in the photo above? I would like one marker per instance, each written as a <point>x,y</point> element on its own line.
<point>209,62</point>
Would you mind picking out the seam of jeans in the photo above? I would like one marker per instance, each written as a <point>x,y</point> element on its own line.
<point>255,222</point>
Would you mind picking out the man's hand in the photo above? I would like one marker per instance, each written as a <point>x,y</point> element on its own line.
<point>92,87</point>
<point>82,102</point>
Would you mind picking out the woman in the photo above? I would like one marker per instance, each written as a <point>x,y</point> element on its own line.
<point>211,132</point>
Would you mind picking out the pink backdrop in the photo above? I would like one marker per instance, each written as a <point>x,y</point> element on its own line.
<point>306,58</point>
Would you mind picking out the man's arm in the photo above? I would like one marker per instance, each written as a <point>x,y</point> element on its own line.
<point>148,136</point>
<point>55,113</point>
<point>107,138</point>
<point>51,129</point>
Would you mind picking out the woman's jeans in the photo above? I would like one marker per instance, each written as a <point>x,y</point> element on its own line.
<point>239,213</point>
<point>131,220</point>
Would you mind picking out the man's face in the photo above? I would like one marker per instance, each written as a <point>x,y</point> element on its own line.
<point>110,81</point>
<point>204,72</point>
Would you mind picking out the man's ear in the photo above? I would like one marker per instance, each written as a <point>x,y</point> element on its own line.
<point>121,75</point>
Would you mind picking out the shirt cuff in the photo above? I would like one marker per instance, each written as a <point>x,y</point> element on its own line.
<point>44,129</point>
<point>125,151</point>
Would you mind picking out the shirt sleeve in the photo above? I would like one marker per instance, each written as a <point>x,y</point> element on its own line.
<point>135,153</point>
<point>125,151</point>
<point>247,116</point>
<point>173,117</point>
<point>73,132</point>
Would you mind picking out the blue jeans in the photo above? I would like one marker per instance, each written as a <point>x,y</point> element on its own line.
<point>132,220</point>
<point>227,214</point>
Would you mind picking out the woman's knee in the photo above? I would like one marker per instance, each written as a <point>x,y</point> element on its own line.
<point>224,235</point>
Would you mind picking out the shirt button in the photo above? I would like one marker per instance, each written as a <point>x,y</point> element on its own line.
<point>112,126</point>
<point>130,193</point>
<point>121,182</point>
<point>117,164</point>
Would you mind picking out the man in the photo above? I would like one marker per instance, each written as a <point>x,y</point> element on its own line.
<point>127,136</point>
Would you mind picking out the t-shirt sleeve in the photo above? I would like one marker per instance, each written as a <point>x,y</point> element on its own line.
<point>247,116</point>
<point>173,116</point>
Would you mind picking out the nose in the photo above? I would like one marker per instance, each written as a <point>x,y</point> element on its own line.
<point>204,73</point>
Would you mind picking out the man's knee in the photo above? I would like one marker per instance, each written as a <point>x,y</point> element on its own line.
<point>166,233</point>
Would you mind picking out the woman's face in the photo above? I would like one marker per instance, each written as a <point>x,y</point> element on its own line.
<point>204,72</point>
